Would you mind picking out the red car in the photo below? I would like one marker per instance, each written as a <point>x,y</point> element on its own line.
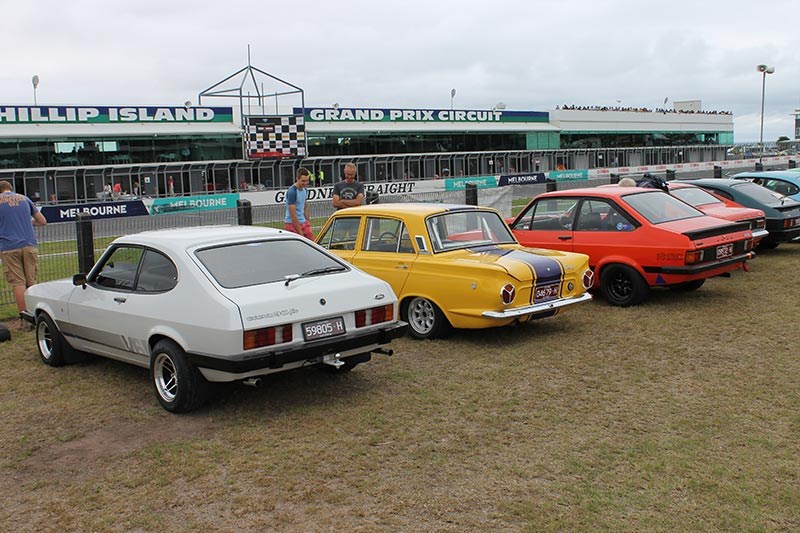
<point>718,207</point>
<point>636,238</point>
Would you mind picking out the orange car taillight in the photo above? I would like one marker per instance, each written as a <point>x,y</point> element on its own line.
<point>791,222</point>
<point>376,315</point>
<point>588,279</point>
<point>258,338</point>
<point>692,258</point>
<point>760,223</point>
<point>508,293</point>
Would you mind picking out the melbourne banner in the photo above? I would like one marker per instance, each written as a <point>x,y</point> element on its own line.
<point>163,206</point>
<point>459,184</point>
<point>569,175</point>
<point>521,179</point>
<point>66,213</point>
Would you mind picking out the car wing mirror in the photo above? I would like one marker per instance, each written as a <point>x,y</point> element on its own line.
<point>79,279</point>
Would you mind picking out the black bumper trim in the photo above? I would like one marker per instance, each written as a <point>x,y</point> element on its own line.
<point>308,351</point>
<point>698,269</point>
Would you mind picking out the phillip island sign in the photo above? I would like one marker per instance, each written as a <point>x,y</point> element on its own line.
<point>107,114</point>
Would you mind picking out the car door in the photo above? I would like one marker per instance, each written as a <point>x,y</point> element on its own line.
<point>386,251</point>
<point>547,223</point>
<point>121,302</point>
<point>602,228</point>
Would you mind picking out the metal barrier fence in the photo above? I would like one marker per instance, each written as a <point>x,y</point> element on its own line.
<point>58,253</point>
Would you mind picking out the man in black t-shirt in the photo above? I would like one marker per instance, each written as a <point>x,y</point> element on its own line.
<point>348,192</point>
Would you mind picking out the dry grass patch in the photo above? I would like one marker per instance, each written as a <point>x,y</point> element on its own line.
<point>681,414</point>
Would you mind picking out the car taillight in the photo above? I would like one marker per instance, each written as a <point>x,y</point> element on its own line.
<point>508,293</point>
<point>258,338</point>
<point>588,279</point>
<point>790,222</point>
<point>748,244</point>
<point>376,315</point>
<point>692,258</point>
<point>760,223</point>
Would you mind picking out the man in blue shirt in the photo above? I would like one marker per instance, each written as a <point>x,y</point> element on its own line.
<point>18,243</point>
<point>296,218</point>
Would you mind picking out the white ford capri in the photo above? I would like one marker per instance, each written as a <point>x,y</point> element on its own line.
<point>215,304</point>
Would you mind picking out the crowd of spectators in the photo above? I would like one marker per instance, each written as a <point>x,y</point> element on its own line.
<point>637,109</point>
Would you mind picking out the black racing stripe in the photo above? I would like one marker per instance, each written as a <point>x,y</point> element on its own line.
<point>546,269</point>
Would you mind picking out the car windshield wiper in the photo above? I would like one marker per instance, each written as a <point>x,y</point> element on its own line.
<point>313,272</point>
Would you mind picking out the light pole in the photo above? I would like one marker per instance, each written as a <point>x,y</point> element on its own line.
<point>35,81</point>
<point>764,70</point>
<point>452,95</point>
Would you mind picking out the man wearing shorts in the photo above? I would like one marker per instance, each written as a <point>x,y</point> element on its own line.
<point>18,243</point>
<point>296,217</point>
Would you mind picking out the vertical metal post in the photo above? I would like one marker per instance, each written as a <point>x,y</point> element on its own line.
<point>85,234</point>
<point>471,194</point>
<point>244,211</point>
<point>552,185</point>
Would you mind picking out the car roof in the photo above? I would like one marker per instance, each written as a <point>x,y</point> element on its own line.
<point>607,192</point>
<point>422,209</point>
<point>785,174</point>
<point>181,238</point>
<point>721,182</point>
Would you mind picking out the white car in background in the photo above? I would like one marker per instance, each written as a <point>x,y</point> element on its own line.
<point>215,304</point>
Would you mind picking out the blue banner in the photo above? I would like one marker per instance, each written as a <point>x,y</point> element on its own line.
<point>521,179</point>
<point>66,213</point>
<point>459,184</point>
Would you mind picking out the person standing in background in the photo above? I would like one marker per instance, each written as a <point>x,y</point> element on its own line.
<point>348,192</point>
<point>18,245</point>
<point>296,217</point>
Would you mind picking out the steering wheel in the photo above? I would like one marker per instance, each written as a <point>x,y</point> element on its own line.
<point>387,236</point>
<point>566,221</point>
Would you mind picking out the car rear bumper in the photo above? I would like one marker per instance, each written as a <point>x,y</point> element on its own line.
<point>691,270</point>
<point>309,351</point>
<point>535,309</point>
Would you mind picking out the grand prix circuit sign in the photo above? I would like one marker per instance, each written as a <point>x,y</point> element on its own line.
<point>107,114</point>
<point>331,114</point>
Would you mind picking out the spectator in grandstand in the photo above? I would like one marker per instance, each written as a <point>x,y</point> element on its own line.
<point>296,217</point>
<point>18,243</point>
<point>348,192</point>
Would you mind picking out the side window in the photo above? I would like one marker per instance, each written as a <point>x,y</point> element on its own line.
<point>341,235</point>
<point>599,215</point>
<point>383,235</point>
<point>119,269</point>
<point>553,214</point>
<point>781,187</point>
<point>724,194</point>
<point>157,274</point>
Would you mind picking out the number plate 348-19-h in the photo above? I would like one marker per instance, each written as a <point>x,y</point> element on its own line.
<point>726,250</point>
<point>320,329</point>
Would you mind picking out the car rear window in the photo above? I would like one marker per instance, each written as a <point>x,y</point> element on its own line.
<point>695,196</point>
<point>757,192</point>
<point>659,207</point>
<point>255,263</point>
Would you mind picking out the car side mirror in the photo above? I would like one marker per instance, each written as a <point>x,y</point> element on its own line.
<point>79,279</point>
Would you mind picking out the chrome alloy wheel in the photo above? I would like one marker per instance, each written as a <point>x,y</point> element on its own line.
<point>166,377</point>
<point>421,315</point>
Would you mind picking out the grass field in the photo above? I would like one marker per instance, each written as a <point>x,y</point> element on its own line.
<point>682,414</point>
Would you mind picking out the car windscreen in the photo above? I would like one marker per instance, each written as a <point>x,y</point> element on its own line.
<point>462,229</point>
<point>761,194</point>
<point>258,262</point>
<point>659,207</point>
<point>695,196</point>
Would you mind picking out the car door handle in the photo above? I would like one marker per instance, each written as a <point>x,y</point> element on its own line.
<point>120,300</point>
<point>401,267</point>
<point>564,237</point>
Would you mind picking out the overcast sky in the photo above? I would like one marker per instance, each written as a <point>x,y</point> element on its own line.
<point>531,55</point>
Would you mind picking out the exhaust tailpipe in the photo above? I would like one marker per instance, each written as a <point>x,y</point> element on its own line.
<point>252,382</point>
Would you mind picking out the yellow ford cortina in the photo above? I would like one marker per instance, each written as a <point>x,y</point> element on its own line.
<point>456,265</point>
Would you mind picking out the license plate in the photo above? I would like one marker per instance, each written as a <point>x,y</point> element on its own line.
<point>330,327</point>
<point>546,292</point>
<point>726,250</point>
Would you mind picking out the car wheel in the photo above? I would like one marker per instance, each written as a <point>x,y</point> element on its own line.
<point>425,319</point>
<point>53,349</point>
<point>689,285</point>
<point>180,387</point>
<point>622,286</point>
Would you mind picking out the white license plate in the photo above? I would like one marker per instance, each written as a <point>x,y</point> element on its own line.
<point>546,292</point>
<point>330,327</point>
<point>726,250</point>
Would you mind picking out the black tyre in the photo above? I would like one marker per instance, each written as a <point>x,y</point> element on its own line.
<point>53,349</point>
<point>425,319</point>
<point>179,386</point>
<point>689,286</point>
<point>622,286</point>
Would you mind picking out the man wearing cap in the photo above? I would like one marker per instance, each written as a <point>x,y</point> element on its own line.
<point>18,243</point>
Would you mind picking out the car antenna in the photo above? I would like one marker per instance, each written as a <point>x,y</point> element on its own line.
<point>290,278</point>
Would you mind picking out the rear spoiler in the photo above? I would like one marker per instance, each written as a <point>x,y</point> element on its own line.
<point>717,230</point>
